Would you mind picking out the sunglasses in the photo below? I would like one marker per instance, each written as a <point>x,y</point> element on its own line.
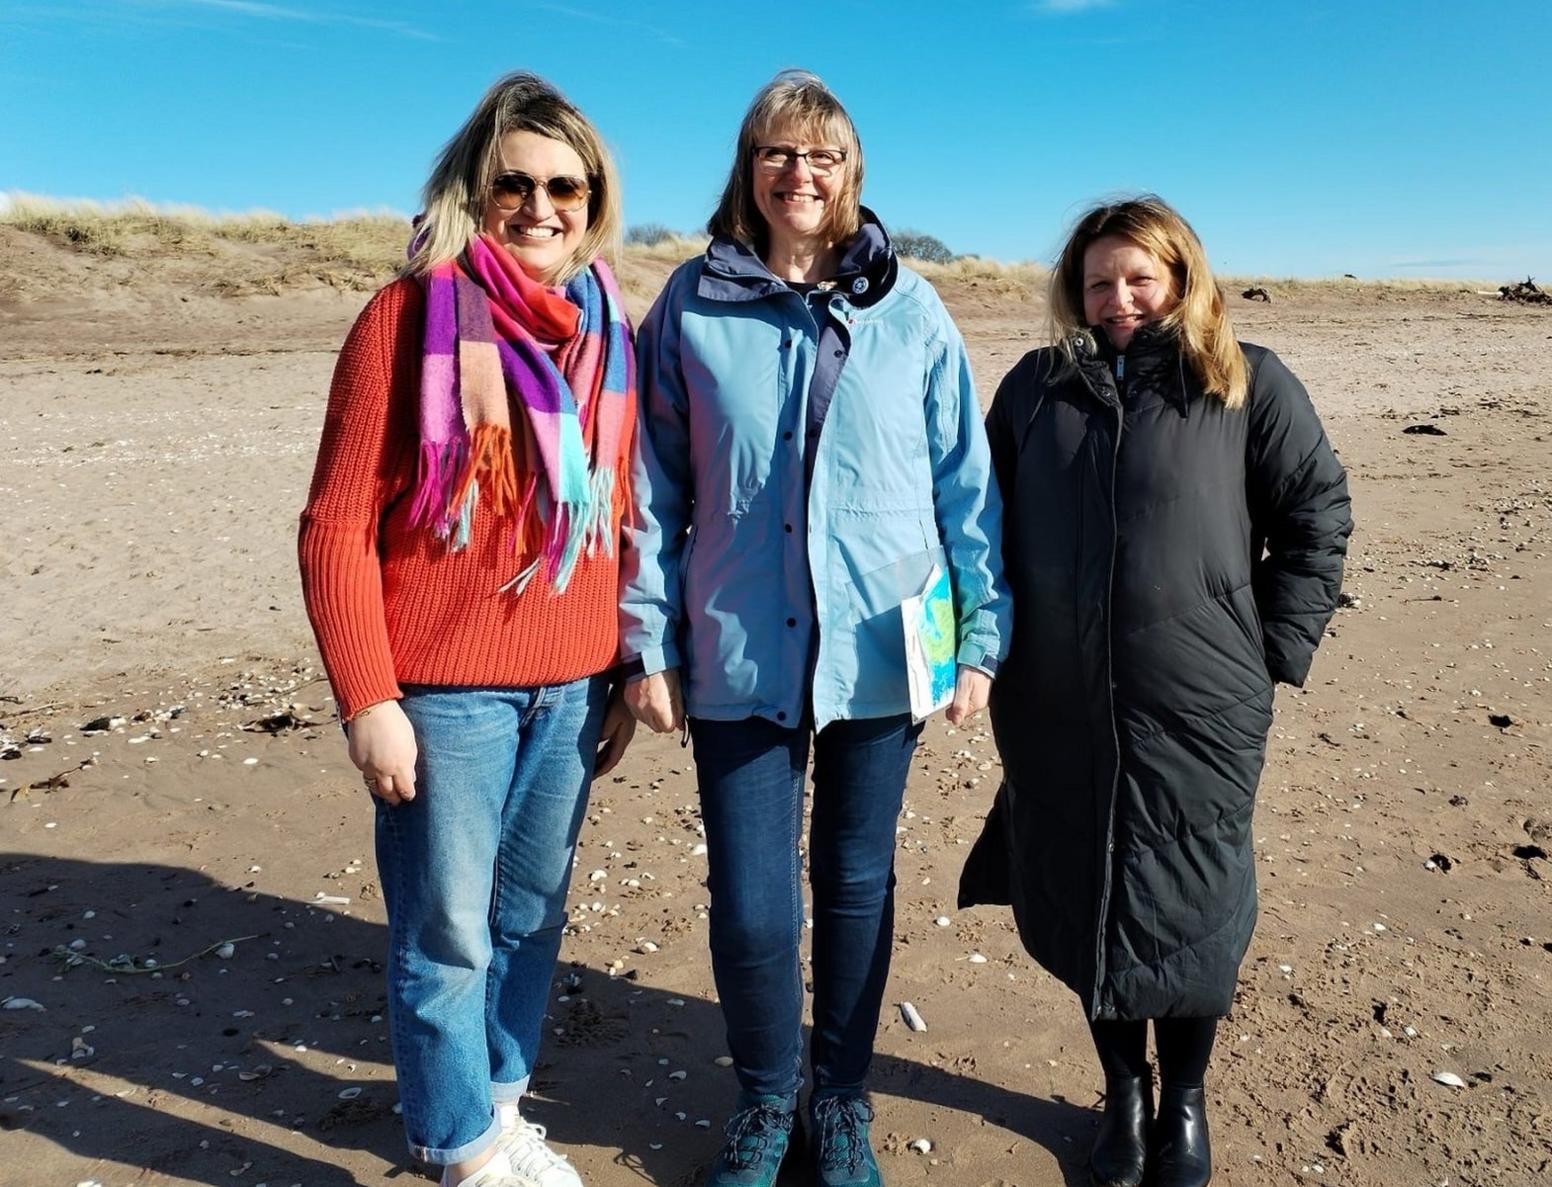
<point>511,191</point>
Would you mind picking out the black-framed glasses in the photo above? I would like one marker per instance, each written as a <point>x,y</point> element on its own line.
<point>512,189</point>
<point>775,158</point>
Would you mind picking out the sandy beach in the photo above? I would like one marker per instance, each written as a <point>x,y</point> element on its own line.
<point>190,965</point>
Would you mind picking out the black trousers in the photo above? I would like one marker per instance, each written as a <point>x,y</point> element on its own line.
<point>1184,1046</point>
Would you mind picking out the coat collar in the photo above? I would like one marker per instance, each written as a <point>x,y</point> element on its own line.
<point>1153,360</point>
<point>734,271</point>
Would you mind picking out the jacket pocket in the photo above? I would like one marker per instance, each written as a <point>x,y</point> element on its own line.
<point>884,588</point>
<point>876,598</point>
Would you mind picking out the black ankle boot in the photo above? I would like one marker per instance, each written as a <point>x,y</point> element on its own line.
<point>1120,1146</point>
<point>1178,1149</point>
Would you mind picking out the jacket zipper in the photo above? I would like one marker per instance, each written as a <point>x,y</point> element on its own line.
<point>1115,736</point>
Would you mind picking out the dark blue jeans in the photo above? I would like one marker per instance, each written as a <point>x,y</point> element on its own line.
<point>751,786</point>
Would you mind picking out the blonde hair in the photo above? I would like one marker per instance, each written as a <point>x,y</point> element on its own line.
<point>798,104</point>
<point>1200,319</point>
<point>456,192</point>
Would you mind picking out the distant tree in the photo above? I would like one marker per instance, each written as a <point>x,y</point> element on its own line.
<point>919,245</point>
<point>649,234</point>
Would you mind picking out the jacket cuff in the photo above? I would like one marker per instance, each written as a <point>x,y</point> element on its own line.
<point>975,654</point>
<point>1289,669</point>
<point>658,659</point>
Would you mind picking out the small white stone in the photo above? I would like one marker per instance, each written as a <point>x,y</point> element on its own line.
<point>922,1146</point>
<point>943,921</point>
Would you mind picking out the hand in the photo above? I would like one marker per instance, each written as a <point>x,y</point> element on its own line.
<point>382,745</point>
<point>616,734</point>
<point>655,701</point>
<point>971,691</point>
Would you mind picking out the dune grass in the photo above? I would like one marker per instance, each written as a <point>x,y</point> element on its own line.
<point>1292,286</point>
<point>359,250</point>
<point>1023,279</point>
<point>355,250</point>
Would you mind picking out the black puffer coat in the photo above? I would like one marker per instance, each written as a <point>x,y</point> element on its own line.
<point>1169,559</point>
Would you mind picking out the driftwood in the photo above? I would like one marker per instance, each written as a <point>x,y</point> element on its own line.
<point>1257,294</point>
<point>1524,293</point>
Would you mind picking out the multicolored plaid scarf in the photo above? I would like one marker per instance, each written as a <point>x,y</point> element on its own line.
<point>525,396</point>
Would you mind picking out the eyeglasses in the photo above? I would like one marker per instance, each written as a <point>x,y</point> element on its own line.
<point>511,191</point>
<point>776,158</point>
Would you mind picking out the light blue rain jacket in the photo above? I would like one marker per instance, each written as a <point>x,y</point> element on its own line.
<point>730,566</point>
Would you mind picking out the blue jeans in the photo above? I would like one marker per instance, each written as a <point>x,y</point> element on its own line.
<point>475,870</point>
<point>751,786</point>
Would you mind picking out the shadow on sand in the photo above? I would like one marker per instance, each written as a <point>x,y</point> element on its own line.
<point>249,1062</point>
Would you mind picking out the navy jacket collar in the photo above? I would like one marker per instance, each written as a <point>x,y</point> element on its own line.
<point>734,271</point>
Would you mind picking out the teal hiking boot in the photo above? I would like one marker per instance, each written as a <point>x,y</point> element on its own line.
<point>842,1154</point>
<point>758,1135</point>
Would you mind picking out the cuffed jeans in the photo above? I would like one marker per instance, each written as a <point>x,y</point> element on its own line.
<point>475,870</point>
<point>751,786</point>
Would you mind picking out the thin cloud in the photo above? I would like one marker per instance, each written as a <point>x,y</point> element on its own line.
<point>1068,7</point>
<point>599,18</point>
<point>281,12</point>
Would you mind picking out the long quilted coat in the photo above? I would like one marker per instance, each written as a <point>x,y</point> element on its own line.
<point>1169,559</point>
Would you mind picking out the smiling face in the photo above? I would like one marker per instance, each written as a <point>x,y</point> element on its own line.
<point>541,238</point>
<point>794,199</point>
<point>1124,287</point>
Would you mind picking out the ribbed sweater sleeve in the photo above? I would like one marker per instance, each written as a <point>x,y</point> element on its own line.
<point>365,459</point>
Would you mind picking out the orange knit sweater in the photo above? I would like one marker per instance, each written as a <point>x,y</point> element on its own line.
<point>390,603</point>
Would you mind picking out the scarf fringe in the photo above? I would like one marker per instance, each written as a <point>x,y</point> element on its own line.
<point>567,534</point>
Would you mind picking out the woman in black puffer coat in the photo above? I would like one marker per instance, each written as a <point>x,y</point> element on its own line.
<point>1174,528</point>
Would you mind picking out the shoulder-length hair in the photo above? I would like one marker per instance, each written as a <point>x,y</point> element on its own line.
<point>795,105</point>
<point>1200,319</point>
<point>455,194</point>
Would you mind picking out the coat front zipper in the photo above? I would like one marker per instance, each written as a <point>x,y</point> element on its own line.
<point>1115,775</point>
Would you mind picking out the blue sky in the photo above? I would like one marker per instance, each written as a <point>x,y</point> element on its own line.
<point>1301,137</point>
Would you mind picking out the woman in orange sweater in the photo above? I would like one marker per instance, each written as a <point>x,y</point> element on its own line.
<point>459,564</point>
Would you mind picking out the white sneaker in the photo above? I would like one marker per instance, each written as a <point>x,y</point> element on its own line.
<point>533,1163</point>
<point>497,1172</point>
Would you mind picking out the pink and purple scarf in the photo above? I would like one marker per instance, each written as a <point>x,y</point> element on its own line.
<point>526,398</point>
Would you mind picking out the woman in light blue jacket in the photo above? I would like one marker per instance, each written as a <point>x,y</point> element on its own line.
<point>811,453</point>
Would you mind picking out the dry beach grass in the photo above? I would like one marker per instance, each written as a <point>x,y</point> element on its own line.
<point>159,405</point>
